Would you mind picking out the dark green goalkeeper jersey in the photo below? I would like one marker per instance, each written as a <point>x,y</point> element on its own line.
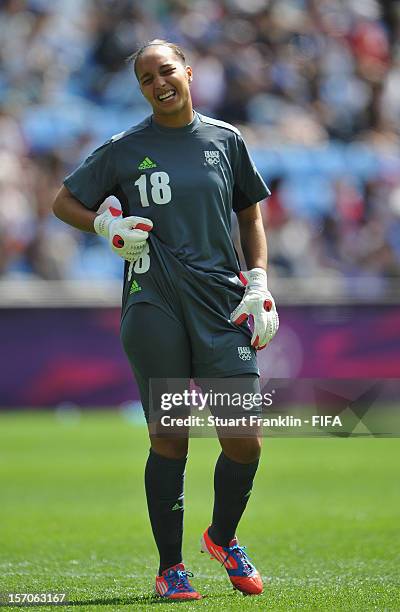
<point>187,181</point>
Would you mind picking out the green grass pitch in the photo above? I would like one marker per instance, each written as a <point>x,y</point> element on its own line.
<point>322,525</point>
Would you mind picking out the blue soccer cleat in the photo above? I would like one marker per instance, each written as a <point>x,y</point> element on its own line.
<point>174,584</point>
<point>242,573</point>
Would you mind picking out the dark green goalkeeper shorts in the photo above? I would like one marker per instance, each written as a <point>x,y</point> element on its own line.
<point>183,332</point>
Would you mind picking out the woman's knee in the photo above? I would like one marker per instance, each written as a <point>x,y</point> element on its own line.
<point>242,450</point>
<point>172,448</point>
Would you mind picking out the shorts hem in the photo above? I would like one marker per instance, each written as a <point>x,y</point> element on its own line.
<point>226,373</point>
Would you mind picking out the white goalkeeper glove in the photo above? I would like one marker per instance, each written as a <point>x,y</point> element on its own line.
<point>126,236</point>
<point>258,303</point>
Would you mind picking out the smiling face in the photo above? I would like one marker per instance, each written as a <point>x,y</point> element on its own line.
<point>164,82</point>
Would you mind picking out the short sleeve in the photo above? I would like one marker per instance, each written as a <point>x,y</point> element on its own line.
<point>94,180</point>
<point>249,187</point>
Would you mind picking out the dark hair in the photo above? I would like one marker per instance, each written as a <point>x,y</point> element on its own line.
<point>155,43</point>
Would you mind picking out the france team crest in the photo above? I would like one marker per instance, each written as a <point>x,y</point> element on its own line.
<point>212,157</point>
<point>244,353</point>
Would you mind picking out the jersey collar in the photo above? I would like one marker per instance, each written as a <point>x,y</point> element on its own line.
<point>186,129</point>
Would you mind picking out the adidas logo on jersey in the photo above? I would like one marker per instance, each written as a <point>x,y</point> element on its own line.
<point>135,287</point>
<point>212,157</point>
<point>244,353</point>
<point>146,164</point>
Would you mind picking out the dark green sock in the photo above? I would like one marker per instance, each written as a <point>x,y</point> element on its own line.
<point>164,480</point>
<point>232,487</point>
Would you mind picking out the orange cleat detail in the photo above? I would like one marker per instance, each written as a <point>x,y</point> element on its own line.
<point>242,573</point>
<point>174,584</point>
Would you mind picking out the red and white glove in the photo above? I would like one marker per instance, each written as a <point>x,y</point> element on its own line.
<point>126,236</point>
<point>259,304</point>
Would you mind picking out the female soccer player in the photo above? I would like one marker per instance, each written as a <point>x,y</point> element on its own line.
<point>178,175</point>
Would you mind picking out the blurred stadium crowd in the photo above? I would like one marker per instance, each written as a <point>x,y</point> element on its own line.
<point>314,85</point>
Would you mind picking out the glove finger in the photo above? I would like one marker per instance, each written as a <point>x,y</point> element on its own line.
<point>128,252</point>
<point>114,212</point>
<point>264,337</point>
<point>261,333</point>
<point>146,227</point>
<point>259,324</point>
<point>257,331</point>
<point>239,315</point>
<point>271,327</point>
<point>258,341</point>
<point>139,223</point>
<point>131,255</point>
<point>255,341</point>
<point>273,323</point>
<point>133,235</point>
